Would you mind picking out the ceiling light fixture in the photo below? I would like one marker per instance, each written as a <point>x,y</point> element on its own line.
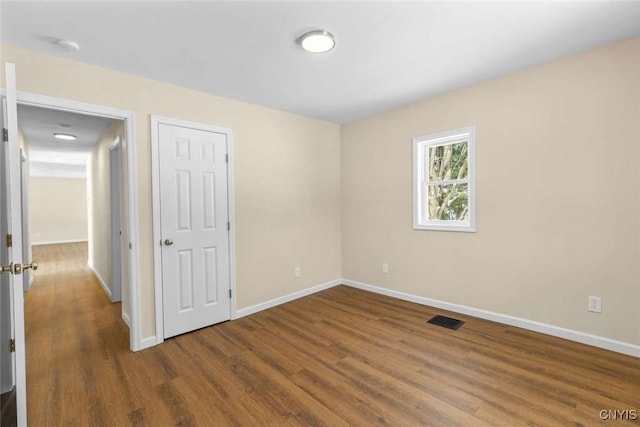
<point>65,136</point>
<point>317,41</point>
<point>67,45</point>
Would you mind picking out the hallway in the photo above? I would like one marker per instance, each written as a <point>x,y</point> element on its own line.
<point>69,321</point>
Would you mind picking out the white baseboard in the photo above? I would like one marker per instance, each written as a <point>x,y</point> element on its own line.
<point>286,298</point>
<point>147,342</point>
<point>58,242</point>
<point>100,280</point>
<point>556,331</point>
<point>126,319</point>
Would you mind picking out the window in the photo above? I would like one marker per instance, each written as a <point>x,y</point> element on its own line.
<point>444,181</point>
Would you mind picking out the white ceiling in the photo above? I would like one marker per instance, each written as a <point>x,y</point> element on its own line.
<point>387,53</point>
<point>51,157</point>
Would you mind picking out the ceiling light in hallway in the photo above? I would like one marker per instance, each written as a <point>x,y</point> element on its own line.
<point>65,136</point>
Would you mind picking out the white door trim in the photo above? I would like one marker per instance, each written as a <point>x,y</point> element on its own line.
<point>26,241</point>
<point>116,219</point>
<point>156,121</point>
<point>129,118</point>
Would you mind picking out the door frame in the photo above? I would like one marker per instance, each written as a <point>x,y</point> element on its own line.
<point>129,118</point>
<point>26,240</point>
<point>115,190</point>
<point>155,122</point>
<point>7,379</point>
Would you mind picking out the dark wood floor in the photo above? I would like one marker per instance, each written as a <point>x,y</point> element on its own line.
<point>8,410</point>
<point>339,357</point>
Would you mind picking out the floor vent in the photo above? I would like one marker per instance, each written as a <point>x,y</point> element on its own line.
<point>446,322</point>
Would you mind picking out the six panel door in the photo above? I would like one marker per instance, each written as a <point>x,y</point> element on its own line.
<point>194,222</point>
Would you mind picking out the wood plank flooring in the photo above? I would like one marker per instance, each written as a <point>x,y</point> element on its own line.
<point>339,357</point>
<point>8,410</point>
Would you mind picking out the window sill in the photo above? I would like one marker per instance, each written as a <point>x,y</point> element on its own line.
<point>443,227</point>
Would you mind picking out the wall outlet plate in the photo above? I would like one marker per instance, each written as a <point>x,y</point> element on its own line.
<point>594,304</point>
<point>296,272</point>
<point>385,268</point>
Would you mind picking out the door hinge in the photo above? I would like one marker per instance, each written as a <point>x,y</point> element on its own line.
<point>226,158</point>
<point>12,345</point>
<point>229,293</point>
<point>228,226</point>
<point>5,135</point>
<point>9,240</point>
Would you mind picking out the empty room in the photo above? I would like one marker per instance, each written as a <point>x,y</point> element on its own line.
<point>321,213</point>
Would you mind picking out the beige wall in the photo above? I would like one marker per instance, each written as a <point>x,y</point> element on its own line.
<point>558,185</point>
<point>57,209</point>
<point>99,191</point>
<point>558,189</point>
<point>287,174</point>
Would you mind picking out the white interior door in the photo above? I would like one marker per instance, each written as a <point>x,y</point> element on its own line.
<point>115,185</point>
<point>194,226</point>
<point>7,374</point>
<point>12,356</point>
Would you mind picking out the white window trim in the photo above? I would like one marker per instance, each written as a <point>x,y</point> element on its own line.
<point>420,144</point>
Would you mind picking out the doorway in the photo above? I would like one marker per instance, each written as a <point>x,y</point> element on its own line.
<point>128,190</point>
<point>71,188</point>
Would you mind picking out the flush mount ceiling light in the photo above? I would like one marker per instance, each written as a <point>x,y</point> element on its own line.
<point>317,41</point>
<point>65,136</point>
<point>67,45</point>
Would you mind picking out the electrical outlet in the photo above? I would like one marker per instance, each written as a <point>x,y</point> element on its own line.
<point>595,304</point>
<point>296,272</point>
<point>385,268</point>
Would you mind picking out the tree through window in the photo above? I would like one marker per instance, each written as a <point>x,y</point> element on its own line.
<point>443,181</point>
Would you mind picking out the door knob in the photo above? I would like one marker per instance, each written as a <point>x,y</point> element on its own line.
<point>14,268</point>
<point>33,266</point>
<point>168,242</point>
